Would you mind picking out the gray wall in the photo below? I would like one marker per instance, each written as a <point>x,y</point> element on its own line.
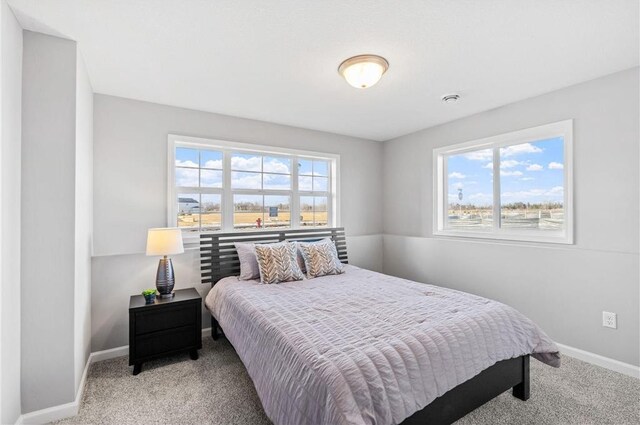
<point>56,221</point>
<point>48,203</point>
<point>84,218</point>
<point>11,129</point>
<point>564,289</point>
<point>130,196</point>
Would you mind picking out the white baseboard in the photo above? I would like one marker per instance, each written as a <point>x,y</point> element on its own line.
<point>62,411</point>
<point>50,414</point>
<point>598,360</point>
<point>111,353</point>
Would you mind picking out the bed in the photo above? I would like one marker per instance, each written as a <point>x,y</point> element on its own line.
<point>363,347</point>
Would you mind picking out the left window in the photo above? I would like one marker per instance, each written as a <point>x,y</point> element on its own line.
<point>217,185</point>
<point>198,182</point>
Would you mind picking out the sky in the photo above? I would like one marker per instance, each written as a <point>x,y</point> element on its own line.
<point>529,172</point>
<point>203,168</point>
<point>246,169</point>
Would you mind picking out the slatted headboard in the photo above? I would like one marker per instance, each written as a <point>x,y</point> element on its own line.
<point>218,256</point>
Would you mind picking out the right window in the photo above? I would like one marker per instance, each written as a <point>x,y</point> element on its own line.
<point>514,186</point>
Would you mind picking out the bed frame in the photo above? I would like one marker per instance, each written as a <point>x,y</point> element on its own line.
<point>219,259</point>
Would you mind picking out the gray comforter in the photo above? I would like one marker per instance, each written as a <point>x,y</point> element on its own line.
<point>363,347</point>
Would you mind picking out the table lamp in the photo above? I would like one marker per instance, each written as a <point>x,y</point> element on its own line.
<point>165,241</point>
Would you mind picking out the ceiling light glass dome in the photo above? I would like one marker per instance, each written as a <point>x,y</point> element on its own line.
<point>363,71</point>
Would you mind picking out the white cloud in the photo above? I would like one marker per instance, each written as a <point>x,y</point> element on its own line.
<point>555,166</point>
<point>213,163</point>
<point>527,179</point>
<point>253,163</point>
<point>246,180</point>
<point>487,154</point>
<point>509,163</point>
<point>510,173</point>
<point>483,155</point>
<point>180,163</point>
<point>519,149</point>
<point>276,165</point>
<point>554,192</point>
<point>534,167</point>
<point>186,177</point>
<point>524,194</point>
<point>272,181</point>
<point>305,183</point>
<point>211,178</point>
<point>457,175</point>
<point>217,164</point>
<point>481,196</point>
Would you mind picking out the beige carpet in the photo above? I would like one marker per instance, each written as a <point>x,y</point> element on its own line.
<point>217,390</point>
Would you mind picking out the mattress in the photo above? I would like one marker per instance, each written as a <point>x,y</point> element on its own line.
<point>363,347</point>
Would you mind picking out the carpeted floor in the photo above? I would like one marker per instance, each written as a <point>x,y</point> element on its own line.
<point>217,390</point>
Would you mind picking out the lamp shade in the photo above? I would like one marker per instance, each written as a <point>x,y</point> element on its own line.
<point>164,241</point>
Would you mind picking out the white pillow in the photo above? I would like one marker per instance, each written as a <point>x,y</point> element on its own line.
<point>321,258</point>
<point>278,263</point>
<point>249,268</point>
<point>301,264</point>
<point>300,258</point>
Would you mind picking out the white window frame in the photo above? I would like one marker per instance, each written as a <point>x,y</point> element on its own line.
<point>440,181</point>
<point>227,192</point>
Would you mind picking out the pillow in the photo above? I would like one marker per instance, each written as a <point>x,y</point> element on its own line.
<point>249,269</point>
<point>300,259</point>
<point>299,251</point>
<point>278,263</point>
<point>321,258</point>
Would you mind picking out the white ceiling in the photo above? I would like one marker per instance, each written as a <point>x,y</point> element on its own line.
<point>277,60</point>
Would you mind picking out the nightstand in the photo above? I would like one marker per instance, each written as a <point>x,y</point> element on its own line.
<point>165,327</point>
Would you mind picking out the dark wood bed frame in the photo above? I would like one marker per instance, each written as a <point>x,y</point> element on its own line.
<point>219,259</point>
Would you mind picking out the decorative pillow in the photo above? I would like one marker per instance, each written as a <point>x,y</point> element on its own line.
<point>249,268</point>
<point>300,259</point>
<point>321,258</point>
<point>278,263</point>
<point>301,264</point>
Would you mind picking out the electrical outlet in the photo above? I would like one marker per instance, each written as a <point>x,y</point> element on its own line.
<point>609,320</point>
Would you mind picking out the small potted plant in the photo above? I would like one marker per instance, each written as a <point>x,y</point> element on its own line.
<point>149,295</point>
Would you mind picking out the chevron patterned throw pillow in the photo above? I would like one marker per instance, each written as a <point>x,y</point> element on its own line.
<point>278,262</point>
<point>321,258</point>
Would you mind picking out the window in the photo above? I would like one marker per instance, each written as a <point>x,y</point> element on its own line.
<point>223,186</point>
<point>515,186</point>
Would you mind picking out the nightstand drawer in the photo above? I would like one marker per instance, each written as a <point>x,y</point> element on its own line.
<point>159,319</point>
<point>166,341</point>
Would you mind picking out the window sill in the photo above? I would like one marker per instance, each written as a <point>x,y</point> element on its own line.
<point>551,237</point>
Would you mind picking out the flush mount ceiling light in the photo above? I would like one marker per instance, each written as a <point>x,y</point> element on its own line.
<point>451,98</point>
<point>363,71</point>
